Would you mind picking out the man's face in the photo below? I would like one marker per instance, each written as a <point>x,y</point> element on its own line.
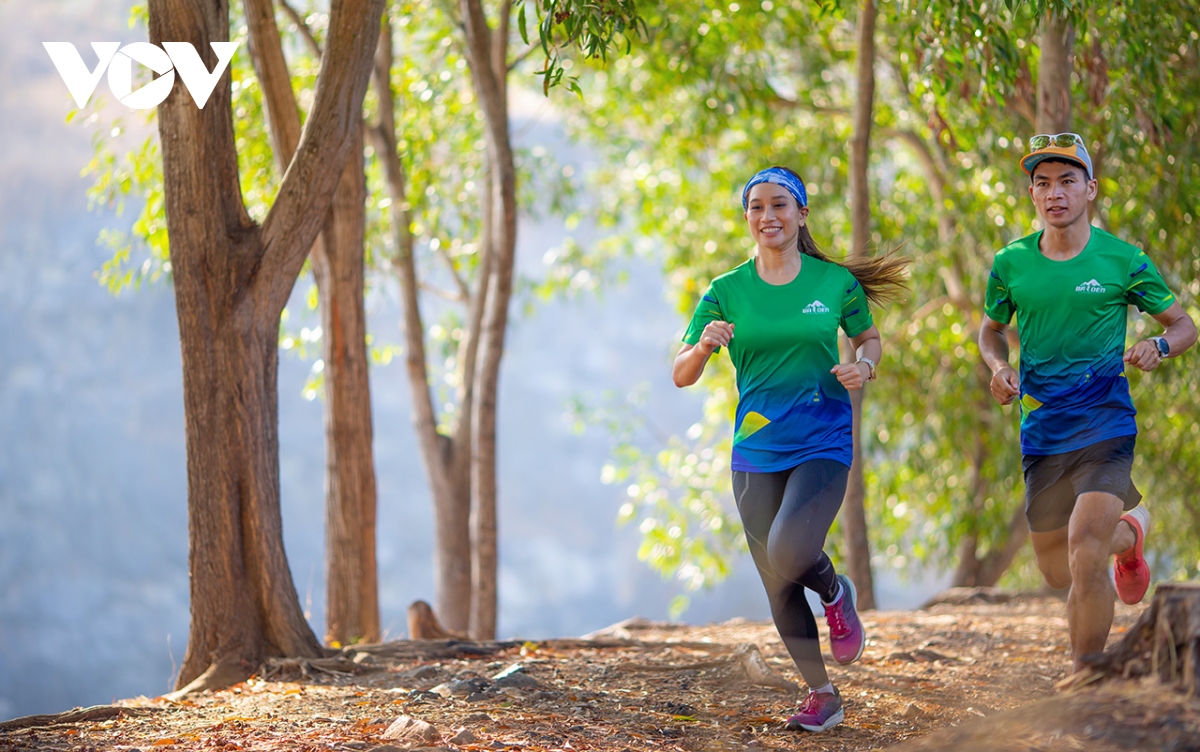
<point>1061,193</point>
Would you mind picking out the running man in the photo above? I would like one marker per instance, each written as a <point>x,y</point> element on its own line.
<point>1070,286</point>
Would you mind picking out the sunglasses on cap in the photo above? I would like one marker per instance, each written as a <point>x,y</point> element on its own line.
<point>1061,140</point>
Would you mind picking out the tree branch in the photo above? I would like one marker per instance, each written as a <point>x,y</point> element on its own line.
<point>777,101</point>
<point>313,45</point>
<point>500,46</point>
<point>464,292</point>
<point>292,224</point>
<point>523,56</point>
<point>453,297</point>
<point>266,53</point>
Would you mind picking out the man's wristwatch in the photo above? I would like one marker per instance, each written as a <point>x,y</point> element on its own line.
<point>1164,347</point>
<point>870,368</point>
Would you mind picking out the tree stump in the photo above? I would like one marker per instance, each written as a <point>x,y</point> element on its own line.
<point>1165,642</point>
<point>423,624</point>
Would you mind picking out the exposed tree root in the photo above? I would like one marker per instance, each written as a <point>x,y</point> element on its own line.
<point>77,715</point>
<point>291,669</point>
<point>220,675</point>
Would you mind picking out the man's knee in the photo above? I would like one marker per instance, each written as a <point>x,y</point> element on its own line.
<point>1088,553</point>
<point>1055,572</point>
<point>1050,551</point>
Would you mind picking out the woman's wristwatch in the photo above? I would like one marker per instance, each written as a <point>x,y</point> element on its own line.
<point>870,367</point>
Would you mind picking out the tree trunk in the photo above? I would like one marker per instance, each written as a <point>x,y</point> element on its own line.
<point>352,600</point>
<point>489,72</point>
<point>446,457</point>
<point>1054,75</point>
<point>232,279</point>
<point>854,516</point>
<point>352,593</point>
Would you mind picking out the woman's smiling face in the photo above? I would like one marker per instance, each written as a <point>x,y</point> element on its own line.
<point>774,217</point>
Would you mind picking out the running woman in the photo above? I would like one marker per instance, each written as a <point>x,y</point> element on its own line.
<point>1070,286</point>
<point>779,314</point>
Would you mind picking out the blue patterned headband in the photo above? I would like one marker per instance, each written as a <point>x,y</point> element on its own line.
<point>778,176</point>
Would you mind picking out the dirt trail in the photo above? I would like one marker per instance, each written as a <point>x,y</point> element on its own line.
<point>647,687</point>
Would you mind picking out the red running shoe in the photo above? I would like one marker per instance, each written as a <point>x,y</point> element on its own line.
<point>846,634</point>
<point>820,711</point>
<point>1130,571</point>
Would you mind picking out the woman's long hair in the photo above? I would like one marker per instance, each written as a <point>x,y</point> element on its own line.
<point>883,278</point>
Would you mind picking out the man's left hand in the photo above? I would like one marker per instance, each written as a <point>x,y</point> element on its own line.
<point>1144,355</point>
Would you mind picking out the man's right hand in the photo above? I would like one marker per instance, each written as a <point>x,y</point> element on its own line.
<point>1006,385</point>
<point>716,334</point>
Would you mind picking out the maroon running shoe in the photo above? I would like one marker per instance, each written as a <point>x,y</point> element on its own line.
<point>1131,573</point>
<point>846,635</point>
<point>819,711</point>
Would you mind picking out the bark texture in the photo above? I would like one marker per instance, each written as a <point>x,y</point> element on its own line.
<point>854,516</point>
<point>352,601</point>
<point>232,279</point>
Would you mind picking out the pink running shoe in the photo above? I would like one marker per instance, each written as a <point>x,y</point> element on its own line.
<point>846,635</point>
<point>1130,571</point>
<point>820,711</point>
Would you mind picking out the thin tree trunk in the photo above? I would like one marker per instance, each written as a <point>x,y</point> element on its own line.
<point>352,593</point>
<point>352,601</point>
<point>854,516</point>
<point>446,458</point>
<point>232,279</point>
<point>489,74</point>
<point>1054,75</point>
<point>971,570</point>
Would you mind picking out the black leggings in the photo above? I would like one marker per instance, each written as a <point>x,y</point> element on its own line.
<point>786,515</point>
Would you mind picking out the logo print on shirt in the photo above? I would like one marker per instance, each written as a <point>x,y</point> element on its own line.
<point>816,307</point>
<point>1090,286</point>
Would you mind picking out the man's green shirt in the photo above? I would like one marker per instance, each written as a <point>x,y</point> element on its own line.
<point>1071,320</point>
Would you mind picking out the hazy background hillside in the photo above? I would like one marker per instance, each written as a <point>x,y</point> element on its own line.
<point>93,539</point>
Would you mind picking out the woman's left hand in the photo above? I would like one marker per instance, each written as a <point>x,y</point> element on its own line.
<point>851,375</point>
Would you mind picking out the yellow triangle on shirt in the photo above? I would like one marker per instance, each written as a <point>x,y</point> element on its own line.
<point>750,425</point>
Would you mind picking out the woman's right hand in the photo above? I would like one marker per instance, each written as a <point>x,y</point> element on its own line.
<point>716,334</point>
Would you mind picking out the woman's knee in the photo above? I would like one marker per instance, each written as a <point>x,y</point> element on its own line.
<point>790,560</point>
